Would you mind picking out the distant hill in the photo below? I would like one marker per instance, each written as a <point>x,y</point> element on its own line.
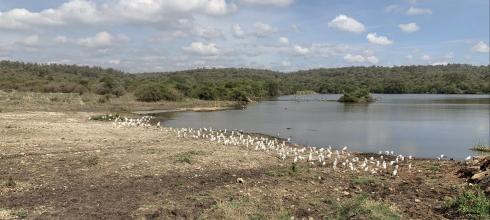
<point>243,83</point>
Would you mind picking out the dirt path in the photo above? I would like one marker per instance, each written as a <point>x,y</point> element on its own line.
<point>63,166</point>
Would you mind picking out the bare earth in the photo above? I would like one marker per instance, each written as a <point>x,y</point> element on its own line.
<point>61,165</point>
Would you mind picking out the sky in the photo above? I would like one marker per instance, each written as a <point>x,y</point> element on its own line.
<point>282,35</point>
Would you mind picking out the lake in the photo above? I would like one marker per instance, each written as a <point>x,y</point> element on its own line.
<point>411,124</point>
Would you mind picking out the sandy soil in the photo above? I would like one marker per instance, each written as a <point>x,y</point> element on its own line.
<point>63,166</point>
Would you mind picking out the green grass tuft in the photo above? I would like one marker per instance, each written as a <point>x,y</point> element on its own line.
<point>106,117</point>
<point>471,203</point>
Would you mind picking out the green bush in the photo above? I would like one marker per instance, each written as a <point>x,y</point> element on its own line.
<point>156,92</point>
<point>471,203</point>
<point>356,96</point>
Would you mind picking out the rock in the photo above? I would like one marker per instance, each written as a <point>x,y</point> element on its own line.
<point>240,180</point>
<point>346,193</point>
<point>417,200</point>
<point>477,177</point>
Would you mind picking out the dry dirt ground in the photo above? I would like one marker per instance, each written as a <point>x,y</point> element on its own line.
<point>63,166</point>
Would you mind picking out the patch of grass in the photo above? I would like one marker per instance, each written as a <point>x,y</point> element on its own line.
<point>21,213</point>
<point>481,147</point>
<point>362,207</point>
<point>187,157</point>
<point>106,117</point>
<point>91,160</point>
<point>433,167</point>
<point>471,203</point>
<point>365,180</point>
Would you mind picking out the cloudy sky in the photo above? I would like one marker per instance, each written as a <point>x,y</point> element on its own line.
<point>285,35</point>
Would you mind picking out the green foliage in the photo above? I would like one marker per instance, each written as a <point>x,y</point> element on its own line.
<point>156,92</point>
<point>471,203</point>
<point>481,147</point>
<point>360,207</point>
<point>365,180</point>
<point>357,96</point>
<point>242,84</point>
<point>187,157</point>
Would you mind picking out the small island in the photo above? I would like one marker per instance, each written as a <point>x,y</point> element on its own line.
<point>357,96</point>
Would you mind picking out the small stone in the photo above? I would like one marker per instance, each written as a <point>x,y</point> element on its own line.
<point>417,200</point>
<point>346,193</point>
<point>240,180</point>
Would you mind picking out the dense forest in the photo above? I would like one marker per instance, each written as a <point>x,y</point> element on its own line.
<point>242,84</point>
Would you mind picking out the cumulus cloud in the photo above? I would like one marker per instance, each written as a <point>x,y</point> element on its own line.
<point>301,50</point>
<point>208,32</point>
<point>409,28</point>
<point>262,29</point>
<point>284,41</point>
<point>380,40</point>
<point>345,23</point>
<point>119,11</point>
<point>481,47</point>
<point>361,59</point>
<point>237,31</point>
<point>418,11</point>
<point>202,49</point>
<point>280,3</point>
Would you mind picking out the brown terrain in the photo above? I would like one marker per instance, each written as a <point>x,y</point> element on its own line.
<point>61,165</point>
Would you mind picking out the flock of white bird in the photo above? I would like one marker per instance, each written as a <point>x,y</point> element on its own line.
<point>385,163</point>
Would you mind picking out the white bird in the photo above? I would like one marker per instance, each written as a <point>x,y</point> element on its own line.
<point>468,158</point>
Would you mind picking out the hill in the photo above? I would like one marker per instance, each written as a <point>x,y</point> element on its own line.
<point>242,84</point>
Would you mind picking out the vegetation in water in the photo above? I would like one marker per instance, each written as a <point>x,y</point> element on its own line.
<point>357,96</point>
<point>481,147</point>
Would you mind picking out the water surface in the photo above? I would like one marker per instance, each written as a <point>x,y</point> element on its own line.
<point>419,125</point>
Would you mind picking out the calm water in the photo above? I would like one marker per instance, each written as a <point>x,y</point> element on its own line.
<point>420,125</point>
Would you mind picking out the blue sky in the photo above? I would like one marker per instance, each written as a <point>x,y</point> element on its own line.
<point>285,35</point>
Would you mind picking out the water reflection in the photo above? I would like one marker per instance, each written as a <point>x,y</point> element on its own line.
<point>422,125</point>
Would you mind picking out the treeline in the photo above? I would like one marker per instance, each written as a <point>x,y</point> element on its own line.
<point>242,84</point>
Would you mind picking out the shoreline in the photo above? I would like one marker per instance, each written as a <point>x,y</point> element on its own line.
<point>59,164</point>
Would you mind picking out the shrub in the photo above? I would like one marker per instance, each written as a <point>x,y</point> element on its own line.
<point>357,96</point>
<point>155,93</point>
<point>471,203</point>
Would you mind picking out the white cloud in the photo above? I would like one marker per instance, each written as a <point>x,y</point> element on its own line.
<point>380,40</point>
<point>114,62</point>
<point>354,58</point>
<point>372,59</point>
<point>418,11</point>
<point>119,11</point>
<point>101,40</point>
<point>263,29</point>
<point>280,3</point>
<point>61,39</point>
<point>208,32</point>
<point>203,49</point>
<point>425,57</point>
<point>237,31</point>
<point>361,59</point>
<point>346,23</point>
<point>74,11</point>
<point>284,40</point>
<point>481,47</point>
<point>301,50</point>
<point>440,63</point>
<point>285,63</point>
<point>409,28</point>
<point>30,41</point>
